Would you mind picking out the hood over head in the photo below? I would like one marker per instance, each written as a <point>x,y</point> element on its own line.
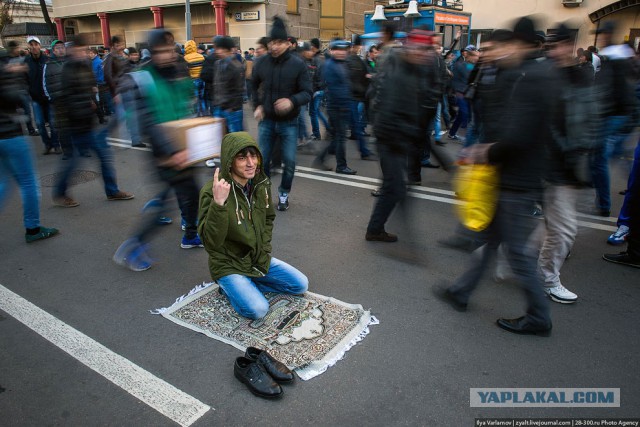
<point>232,144</point>
<point>190,47</point>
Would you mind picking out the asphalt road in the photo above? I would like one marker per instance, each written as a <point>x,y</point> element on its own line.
<point>415,368</point>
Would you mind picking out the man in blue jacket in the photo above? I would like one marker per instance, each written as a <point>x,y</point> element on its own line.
<point>338,92</point>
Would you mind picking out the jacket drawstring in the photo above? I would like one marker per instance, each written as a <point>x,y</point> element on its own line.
<point>233,187</point>
<point>266,196</point>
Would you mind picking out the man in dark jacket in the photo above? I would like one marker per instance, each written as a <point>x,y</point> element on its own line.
<point>77,97</point>
<point>235,221</point>
<point>520,154</point>
<point>228,85</point>
<point>461,71</point>
<point>359,78</point>
<point>339,100</point>
<point>315,106</point>
<point>15,154</point>
<point>402,117</point>
<point>41,108</point>
<point>52,82</point>
<point>282,83</point>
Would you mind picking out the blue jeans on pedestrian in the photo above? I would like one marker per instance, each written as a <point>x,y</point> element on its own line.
<point>16,161</point>
<point>462,119</point>
<point>357,129</point>
<point>609,140</point>
<point>268,131</point>
<point>302,123</point>
<point>234,119</point>
<point>625,212</point>
<point>445,110</point>
<point>198,90</point>
<point>44,114</point>
<point>315,113</point>
<point>84,141</point>
<point>246,293</point>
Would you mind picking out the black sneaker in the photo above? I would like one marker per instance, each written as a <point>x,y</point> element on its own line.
<point>623,258</point>
<point>383,236</point>
<point>283,202</point>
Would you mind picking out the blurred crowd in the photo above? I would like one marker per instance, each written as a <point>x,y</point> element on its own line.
<point>549,118</point>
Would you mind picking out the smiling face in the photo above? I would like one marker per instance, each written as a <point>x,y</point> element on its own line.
<point>245,165</point>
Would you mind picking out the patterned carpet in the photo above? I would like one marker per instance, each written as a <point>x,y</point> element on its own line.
<point>308,333</point>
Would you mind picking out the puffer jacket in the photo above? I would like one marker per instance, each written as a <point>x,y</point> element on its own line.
<point>10,98</point>
<point>53,78</point>
<point>237,236</point>
<point>194,59</point>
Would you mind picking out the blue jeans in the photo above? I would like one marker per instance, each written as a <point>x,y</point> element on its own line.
<point>44,114</point>
<point>245,293</point>
<point>609,140</point>
<point>339,117</point>
<point>201,105</point>
<point>445,110</point>
<point>302,123</point>
<point>315,113</point>
<point>16,160</point>
<point>234,119</point>
<point>268,131</point>
<point>462,119</point>
<point>357,110</point>
<point>625,212</point>
<point>83,141</point>
<point>128,112</point>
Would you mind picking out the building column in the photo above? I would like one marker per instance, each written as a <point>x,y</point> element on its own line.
<point>158,17</point>
<point>60,29</point>
<point>220,7</point>
<point>104,26</point>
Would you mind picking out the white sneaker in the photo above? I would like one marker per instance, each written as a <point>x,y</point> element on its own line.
<point>210,163</point>
<point>561,294</point>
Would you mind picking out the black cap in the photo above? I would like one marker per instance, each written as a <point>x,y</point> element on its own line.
<point>315,43</point>
<point>524,30</point>
<point>278,30</point>
<point>224,42</point>
<point>305,47</point>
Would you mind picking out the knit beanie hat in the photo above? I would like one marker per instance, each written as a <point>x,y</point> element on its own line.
<point>278,30</point>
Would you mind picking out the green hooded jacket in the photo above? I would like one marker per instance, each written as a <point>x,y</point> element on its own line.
<point>237,236</point>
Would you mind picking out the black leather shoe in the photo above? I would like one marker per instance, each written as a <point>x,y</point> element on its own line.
<point>275,368</point>
<point>622,258</point>
<point>346,171</point>
<point>522,326</point>
<point>444,295</point>
<point>381,237</point>
<point>377,192</point>
<point>256,378</point>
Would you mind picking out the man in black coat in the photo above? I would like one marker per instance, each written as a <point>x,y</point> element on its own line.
<point>282,84</point>
<point>519,152</point>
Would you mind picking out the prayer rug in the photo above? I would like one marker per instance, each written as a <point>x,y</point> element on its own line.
<point>308,333</point>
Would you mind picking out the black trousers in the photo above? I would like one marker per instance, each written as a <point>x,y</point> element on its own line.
<point>394,186</point>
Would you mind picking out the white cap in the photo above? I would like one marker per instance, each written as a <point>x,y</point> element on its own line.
<point>33,39</point>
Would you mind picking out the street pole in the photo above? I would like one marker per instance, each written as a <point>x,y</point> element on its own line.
<point>187,18</point>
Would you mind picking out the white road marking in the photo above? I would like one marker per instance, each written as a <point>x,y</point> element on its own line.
<point>157,393</point>
<point>416,191</point>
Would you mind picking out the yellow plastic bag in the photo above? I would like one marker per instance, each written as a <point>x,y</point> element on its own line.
<point>477,187</point>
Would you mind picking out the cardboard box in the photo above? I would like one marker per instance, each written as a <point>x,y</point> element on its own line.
<point>201,136</point>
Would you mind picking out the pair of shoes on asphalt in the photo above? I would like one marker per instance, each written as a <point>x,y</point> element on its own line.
<point>43,233</point>
<point>133,254</point>
<point>382,236</point>
<point>619,237</point>
<point>521,325</point>
<point>624,258</point>
<point>261,373</point>
<point>65,202</point>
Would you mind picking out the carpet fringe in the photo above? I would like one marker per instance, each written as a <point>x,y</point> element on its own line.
<point>311,372</point>
<point>193,291</point>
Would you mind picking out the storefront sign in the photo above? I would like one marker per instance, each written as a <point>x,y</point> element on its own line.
<point>248,16</point>
<point>445,18</point>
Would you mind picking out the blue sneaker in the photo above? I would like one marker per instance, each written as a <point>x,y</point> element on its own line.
<point>619,237</point>
<point>133,255</point>
<point>156,204</point>
<point>191,243</point>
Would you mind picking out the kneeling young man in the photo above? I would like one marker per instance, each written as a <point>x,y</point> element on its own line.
<point>236,223</point>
